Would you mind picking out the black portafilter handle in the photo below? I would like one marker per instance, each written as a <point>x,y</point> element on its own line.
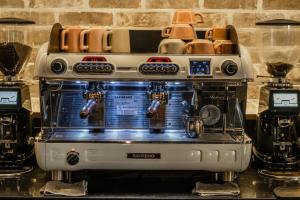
<point>88,108</point>
<point>153,108</point>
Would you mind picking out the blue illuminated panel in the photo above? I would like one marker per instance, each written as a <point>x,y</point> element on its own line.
<point>200,67</point>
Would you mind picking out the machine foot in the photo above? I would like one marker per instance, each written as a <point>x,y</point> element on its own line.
<point>56,175</point>
<point>67,177</point>
<point>229,176</point>
<point>64,176</point>
<point>217,177</point>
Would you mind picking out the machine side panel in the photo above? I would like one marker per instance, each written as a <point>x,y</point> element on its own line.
<point>40,154</point>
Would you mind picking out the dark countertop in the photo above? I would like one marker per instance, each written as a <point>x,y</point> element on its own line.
<point>138,185</point>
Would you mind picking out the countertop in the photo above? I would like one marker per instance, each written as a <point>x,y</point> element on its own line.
<point>138,185</point>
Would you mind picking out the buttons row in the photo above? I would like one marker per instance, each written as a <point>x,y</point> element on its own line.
<point>99,68</point>
<point>159,69</point>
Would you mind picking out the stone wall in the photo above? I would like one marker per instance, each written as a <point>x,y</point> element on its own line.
<point>144,13</point>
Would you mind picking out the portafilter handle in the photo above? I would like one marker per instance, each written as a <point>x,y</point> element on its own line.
<point>88,108</point>
<point>194,128</point>
<point>153,108</point>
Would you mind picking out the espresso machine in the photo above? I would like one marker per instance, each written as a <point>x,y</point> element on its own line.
<point>276,148</point>
<point>16,141</point>
<point>142,111</point>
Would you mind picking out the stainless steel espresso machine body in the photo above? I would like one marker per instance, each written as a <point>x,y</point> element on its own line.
<point>143,111</point>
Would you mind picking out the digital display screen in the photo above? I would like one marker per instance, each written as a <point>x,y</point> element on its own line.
<point>200,67</point>
<point>285,100</point>
<point>8,97</point>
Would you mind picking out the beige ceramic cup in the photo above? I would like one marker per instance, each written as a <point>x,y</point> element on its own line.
<point>216,34</point>
<point>171,46</point>
<point>199,46</point>
<point>180,31</point>
<point>70,38</point>
<point>95,38</point>
<point>187,17</point>
<point>223,47</point>
<point>119,42</point>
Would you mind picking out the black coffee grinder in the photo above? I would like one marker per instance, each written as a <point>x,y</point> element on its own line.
<point>16,141</point>
<point>276,148</point>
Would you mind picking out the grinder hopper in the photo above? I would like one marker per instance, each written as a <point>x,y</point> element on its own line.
<point>278,45</point>
<point>14,53</point>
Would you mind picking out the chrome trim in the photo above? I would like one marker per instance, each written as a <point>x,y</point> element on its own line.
<point>286,175</point>
<point>20,172</point>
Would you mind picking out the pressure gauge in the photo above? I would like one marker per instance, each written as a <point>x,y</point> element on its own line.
<point>210,114</point>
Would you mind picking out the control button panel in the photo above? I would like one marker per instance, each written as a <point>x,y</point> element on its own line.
<point>93,68</point>
<point>58,66</point>
<point>159,68</point>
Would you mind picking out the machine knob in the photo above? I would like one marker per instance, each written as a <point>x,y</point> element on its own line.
<point>58,66</point>
<point>72,157</point>
<point>229,68</point>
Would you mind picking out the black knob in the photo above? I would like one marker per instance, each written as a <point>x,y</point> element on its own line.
<point>58,66</point>
<point>229,68</point>
<point>72,157</point>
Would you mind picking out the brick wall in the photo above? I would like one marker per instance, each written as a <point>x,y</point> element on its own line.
<point>144,13</point>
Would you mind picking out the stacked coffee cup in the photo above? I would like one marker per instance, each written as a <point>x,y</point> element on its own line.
<point>181,36</point>
<point>74,39</point>
<point>219,37</point>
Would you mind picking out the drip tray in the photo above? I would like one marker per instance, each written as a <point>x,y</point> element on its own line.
<point>291,175</point>
<point>141,136</point>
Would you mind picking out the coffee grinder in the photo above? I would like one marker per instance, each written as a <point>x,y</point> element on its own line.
<point>276,148</point>
<point>16,143</point>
